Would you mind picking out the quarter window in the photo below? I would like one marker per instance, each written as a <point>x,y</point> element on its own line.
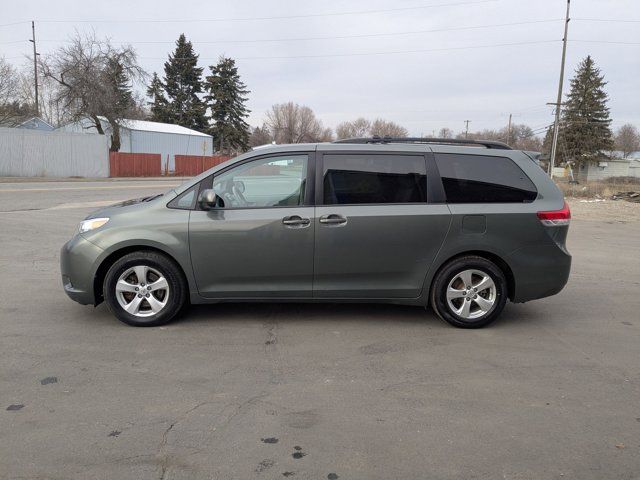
<point>483,179</point>
<point>267,182</point>
<point>186,201</point>
<point>374,179</point>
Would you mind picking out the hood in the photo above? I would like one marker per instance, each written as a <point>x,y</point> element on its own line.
<point>135,201</point>
<point>130,205</point>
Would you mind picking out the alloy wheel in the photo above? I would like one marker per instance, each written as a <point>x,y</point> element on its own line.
<point>471,294</point>
<point>142,291</point>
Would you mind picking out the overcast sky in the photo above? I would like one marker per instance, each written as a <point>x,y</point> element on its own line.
<point>410,61</point>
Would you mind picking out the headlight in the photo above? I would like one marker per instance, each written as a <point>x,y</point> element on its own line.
<point>91,224</point>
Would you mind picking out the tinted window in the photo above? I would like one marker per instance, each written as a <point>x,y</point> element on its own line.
<point>356,179</point>
<point>267,182</point>
<point>483,179</point>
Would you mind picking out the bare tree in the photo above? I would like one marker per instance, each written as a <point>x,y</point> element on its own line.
<point>359,127</point>
<point>445,133</point>
<point>293,123</point>
<point>95,82</point>
<point>50,107</point>
<point>627,139</point>
<point>520,138</point>
<point>260,136</point>
<point>13,108</point>
<point>385,128</point>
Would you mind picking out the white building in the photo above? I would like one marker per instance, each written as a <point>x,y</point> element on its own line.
<point>614,164</point>
<point>36,123</point>
<point>141,136</point>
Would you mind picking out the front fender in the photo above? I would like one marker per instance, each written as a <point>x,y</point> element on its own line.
<point>158,228</point>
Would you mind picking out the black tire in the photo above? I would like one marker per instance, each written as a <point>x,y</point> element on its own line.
<point>449,272</point>
<point>176,292</point>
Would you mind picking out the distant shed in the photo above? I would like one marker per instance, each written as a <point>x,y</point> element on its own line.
<point>36,123</point>
<point>141,136</point>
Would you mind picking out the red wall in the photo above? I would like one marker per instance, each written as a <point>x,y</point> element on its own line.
<point>134,164</point>
<point>189,165</point>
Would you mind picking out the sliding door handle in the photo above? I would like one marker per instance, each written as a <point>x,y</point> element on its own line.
<point>295,221</point>
<point>333,219</point>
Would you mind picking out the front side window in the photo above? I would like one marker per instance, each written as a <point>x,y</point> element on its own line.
<point>483,179</point>
<point>374,179</point>
<point>267,182</point>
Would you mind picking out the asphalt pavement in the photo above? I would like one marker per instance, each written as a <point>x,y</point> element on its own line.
<point>273,391</point>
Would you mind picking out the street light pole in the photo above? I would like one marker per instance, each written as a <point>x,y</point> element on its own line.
<point>556,124</point>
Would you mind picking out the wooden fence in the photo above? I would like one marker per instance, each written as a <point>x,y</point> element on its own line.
<point>189,165</point>
<point>134,164</point>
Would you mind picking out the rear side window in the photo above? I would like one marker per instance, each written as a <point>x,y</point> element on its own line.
<point>483,179</point>
<point>374,179</point>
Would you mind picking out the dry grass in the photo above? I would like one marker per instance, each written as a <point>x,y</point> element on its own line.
<point>600,189</point>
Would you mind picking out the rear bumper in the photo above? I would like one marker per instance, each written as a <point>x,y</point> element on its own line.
<point>539,271</point>
<point>77,260</point>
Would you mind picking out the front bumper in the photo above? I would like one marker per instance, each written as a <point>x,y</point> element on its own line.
<point>78,265</point>
<point>539,271</point>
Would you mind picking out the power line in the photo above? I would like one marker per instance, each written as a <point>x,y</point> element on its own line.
<point>613,42</point>
<point>278,17</point>
<point>611,20</point>
<point>393,52</point>
<point>13,23</point>
<point>340,37</point>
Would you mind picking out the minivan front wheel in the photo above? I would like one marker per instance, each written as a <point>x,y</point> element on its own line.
<point>144,289</point>
<point>469,292</point>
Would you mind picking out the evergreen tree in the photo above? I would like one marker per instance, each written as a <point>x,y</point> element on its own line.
<point>158,103</point>
<point>226,96</point>
<point>119,95</point>
<point>546,143</point>
<point>585,132</point>
<point>182,85</point>
<point>118,81</point>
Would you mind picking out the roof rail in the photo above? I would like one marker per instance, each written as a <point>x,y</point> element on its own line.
<point>450,141</point>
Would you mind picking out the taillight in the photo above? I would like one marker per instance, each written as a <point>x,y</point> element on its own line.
<point>556,218</point>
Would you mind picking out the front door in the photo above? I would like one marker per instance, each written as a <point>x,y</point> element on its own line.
<point>376,233</point>
<point>259,242</point>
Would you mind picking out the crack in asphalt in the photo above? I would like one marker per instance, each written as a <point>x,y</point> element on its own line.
<point>164,462</point>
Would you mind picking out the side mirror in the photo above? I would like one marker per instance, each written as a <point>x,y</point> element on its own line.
<point>207,199</point>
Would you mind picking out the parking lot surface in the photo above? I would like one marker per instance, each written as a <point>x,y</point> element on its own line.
<point>550,391</point>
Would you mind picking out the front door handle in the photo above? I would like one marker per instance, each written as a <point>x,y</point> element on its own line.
<point>295,221</point>
<point>333,219</point>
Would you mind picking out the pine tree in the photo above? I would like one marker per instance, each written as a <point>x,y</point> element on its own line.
<point>546,143</point>
<point>118,81</point>
<point>119,96</point>
<point>158,103</point>
<point>585,132</point>
<point>182,85</point>
<point>226,96</point>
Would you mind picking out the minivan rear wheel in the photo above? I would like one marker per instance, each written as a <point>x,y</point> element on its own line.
<point>469,292</point>
<point>144,289</point>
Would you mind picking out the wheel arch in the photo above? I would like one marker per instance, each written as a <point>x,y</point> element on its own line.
<point>492,257</point>
<point>114,256</point>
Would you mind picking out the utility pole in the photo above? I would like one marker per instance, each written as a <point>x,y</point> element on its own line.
<point>556,124</point>
<point>35,65</point>
<point>509,130</point>
<point>466,130</point>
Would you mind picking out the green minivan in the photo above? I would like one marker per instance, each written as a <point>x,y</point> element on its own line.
<point>460,226</point>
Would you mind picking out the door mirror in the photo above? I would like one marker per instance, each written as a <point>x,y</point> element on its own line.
<point>207,199</point>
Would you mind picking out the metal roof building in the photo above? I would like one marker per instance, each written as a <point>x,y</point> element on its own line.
<point>36,123</point>
<point>141,136</point>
